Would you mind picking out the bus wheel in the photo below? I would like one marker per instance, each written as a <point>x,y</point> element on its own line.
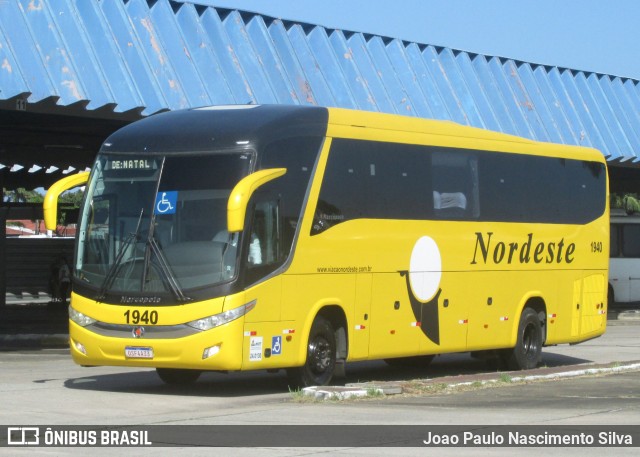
<point>610,297</point>
<point>526,354</point>
<point>176,376</point>
<point>321,357</point>
<point>419,361</point>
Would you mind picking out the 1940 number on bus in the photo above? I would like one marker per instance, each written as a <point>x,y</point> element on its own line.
<point>137,317</point>
<point>596,246</point>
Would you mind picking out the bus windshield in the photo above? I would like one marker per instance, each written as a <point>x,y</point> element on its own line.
<point>158,223</point>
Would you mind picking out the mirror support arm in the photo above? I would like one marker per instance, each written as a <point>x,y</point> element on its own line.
<point>241,193</point>
<point>50,205</point>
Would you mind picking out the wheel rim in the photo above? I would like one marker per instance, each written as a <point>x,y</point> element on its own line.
<point>530,342</point>
<point>319,355</point>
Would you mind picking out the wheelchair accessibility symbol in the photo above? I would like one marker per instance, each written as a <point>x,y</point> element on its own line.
<point>276,345</point>
<point>166,202</point>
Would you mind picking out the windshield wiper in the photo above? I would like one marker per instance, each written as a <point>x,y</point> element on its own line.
<point>163,264</point>
<point>113,270</point>
<point>166,270</point>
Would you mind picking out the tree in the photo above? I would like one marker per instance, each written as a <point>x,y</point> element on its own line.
<point>22,195</point>
<point>73,199</point>
<point>630,203</point>
<point>68,202</point>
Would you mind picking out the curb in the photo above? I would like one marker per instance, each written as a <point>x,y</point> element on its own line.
<point>351,391</point>
<point>374,390</point>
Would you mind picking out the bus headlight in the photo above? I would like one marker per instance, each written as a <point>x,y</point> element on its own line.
<point>81,319</point>
<point>207,323</point>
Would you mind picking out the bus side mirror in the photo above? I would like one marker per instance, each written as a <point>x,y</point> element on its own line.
<point>50,205</point>
<point>241,193</point>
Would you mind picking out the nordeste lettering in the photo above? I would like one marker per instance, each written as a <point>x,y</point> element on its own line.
<point>488,250</point>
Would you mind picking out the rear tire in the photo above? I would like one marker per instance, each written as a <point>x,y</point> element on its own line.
<point>178,377</point>
<point>528,350</point>
<point>321,357</point>
<point>611,300</point>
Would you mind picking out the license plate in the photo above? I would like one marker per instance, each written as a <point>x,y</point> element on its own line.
<point>138,352</point>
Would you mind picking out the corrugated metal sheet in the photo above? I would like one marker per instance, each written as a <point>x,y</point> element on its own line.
<point>158,55</point>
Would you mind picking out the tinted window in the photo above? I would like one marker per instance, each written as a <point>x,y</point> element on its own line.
<point>374,180</point>
<point>298,156</point>
<point>366,179</point>
<point>277,206</point>
<point>524,188</point>
<point>455,184</point>
<point>614,246</point>
<point>631,241</point>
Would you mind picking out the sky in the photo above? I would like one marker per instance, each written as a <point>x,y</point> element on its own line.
<point>601,36</point>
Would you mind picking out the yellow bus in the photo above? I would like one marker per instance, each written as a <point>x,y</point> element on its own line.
<point>301,238</point>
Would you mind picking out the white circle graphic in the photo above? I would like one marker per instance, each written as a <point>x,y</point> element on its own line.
<point>425,269</point>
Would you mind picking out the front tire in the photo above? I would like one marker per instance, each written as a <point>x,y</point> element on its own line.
<point>321,357</point>
<point>528,350</point>
<point>178,377</point>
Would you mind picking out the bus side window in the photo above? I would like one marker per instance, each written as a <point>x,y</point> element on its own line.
<point>374,180</point>
<point>455,185</point>
<point>264,252</point>
<point>265,234</point>
<point>298,155</point>
<point>325,216</point>
<point>614,238</point>
<point>631,240</point>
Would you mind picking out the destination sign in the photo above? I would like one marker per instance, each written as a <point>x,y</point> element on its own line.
<point>131,164</point>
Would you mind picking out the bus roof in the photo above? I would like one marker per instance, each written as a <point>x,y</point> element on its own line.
<point>207,128</point>
<point>452,134</point>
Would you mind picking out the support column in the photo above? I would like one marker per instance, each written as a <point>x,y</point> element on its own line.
<point>3,253</point>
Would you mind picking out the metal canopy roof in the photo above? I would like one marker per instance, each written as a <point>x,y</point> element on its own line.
<point>145,56</point>
<point>38,149</point>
